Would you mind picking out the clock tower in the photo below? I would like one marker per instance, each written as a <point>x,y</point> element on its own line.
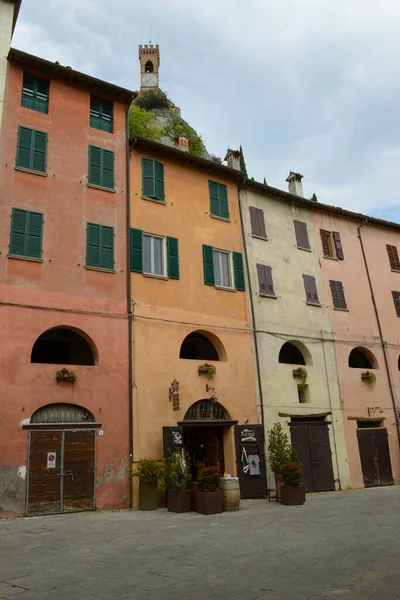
<point>149,57</point>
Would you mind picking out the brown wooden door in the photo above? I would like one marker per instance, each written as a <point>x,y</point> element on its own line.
<point>375,457</point>
<point>79,468</point>
<point>250,440</point>
<point>312,442</point>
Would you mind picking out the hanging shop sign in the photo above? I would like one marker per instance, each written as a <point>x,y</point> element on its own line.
<point>177,439</point>
<point>248,435</point>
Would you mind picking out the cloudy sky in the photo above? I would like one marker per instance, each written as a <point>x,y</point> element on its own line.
<point>308,85</point>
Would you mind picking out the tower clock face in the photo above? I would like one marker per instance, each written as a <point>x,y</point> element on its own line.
<point>149,80</point>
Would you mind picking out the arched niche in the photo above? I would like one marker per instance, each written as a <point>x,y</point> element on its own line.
<point>64,346</point>
<point>149,67</point>
<point>202,345</point>
<point>294,353</point>
<point>362,358</point>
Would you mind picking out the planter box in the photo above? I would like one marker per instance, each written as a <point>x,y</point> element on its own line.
<point>209,503</point>
<point>203,370</point>
<point>292,495</point>
<point>147,495</point>
<point>194,485</point>
<point>179,501</point>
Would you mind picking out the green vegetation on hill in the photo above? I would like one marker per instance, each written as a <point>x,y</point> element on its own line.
<point>178,127</point>
<point>152,100</point>
<point>143,123</point>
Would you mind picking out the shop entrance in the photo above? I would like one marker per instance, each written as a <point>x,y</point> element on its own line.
<point>205,447</point>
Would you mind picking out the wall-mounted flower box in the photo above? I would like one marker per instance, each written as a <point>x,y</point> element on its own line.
<point>66,375</point>
<point>207,369</point>
<point>368,377</point>
<point>302,374</point>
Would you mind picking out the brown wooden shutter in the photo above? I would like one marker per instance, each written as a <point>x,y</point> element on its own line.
<point>300,230</point>
<point>311,289</point>
<point>393,257</point>
<point>325,242</point>
<point>257,222</point>
<point>338,245</point>
<point>265,281</point>
<point>338,298</point>
<point>396,300</point>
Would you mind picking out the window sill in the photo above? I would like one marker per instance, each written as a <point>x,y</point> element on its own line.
<point>306,249</point>
<point>227,220</point>
<point>99,129</point>
<point>101,269</point>
<point>32,171</point>
<point>100,187</point>
<point>226,289</point>
<point>267,295</point>
<point>314,303</point>
<point>342,309</point>
<point>330,257</point>
<point>153,200</point>
<point>152,276</point>
<point>22,257</point>
<point>259,237</point>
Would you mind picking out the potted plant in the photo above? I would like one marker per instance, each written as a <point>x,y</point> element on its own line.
<point>148,471</point>
<point>209,496</point>
<point>369,377</point>
<point>177,477</point>
<point>302,374</point>
<point>292,490</point>
<point>209,369</point>
<point>66,375</point>
<point>280,450</point>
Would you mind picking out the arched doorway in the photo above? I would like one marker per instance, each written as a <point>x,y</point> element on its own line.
<point>61,460</point>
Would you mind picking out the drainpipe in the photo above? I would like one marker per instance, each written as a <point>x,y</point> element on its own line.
<point>129,309</point>
<point>383,343</point>
<point>260,391</point>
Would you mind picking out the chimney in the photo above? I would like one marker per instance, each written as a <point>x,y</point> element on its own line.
<point>182,143</point>
<point>232,157</point>
<point>295,185</point>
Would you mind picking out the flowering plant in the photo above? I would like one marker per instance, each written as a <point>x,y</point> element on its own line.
<point>66,374</point>
<point>210,369</point>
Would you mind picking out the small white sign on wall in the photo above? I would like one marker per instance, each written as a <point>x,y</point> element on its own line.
<point>51,460</point>
<point>101,432</point>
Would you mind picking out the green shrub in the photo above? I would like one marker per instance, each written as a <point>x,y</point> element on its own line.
<point>280,450</point>
<point>177,471</point>
<point>152,100</point>
<point>143,123</point>
<point>291,473</point>
<point>148,470</point>
<point>179,127</point>
<point>209,479</point>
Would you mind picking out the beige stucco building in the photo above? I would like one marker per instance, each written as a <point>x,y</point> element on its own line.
<point>8,17</point>
<point>292,329</point>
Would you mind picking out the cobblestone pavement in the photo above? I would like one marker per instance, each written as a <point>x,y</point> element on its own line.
<point>337,546</point>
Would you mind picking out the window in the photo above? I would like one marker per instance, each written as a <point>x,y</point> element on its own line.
<point>218,199</point>
<point>257,222</point>
<point>101,114</point>
<point>31,149</point>
<point>35,93</point>
<point>311,289</point>
<point>266,285</point>
<point>62,346</point>
<point>153,179</point>
<point>101,167</point>
<point>196,346</point>
<point>300,230</point>
<point>218,268</point>
<point>99,246</point>
<point>393,257</point>
<point>26,233</point>
<point>149,254</point>
<point>331,244</point>
<point>361,358</point>
<point>396,300</point>
<point>149,67</point>
<point>338,298</point>
<point>291,355</point>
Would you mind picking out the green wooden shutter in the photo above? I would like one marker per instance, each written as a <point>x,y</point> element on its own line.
<point>24,147</point>
<point>35,93</point>
<point>148,178</point>
<point>39,151</point>
<point>173,258</point>
<point>107,176</point>
<point>208,264</point>
<point>18,231</point>
<point>106,109</point>
<point>214,204</point>
<point>223,201</point>
<point>42,95</point>
<point>106,247</point>
<point>33,239</point>
<point>239,271</point>
<point>159,168</point>
<point>136,250</point>
<point>92,245</point>
<point>94,175</point>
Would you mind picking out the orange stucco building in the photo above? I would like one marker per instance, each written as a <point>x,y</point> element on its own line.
<point>189,307</point>
<point>64,444</point>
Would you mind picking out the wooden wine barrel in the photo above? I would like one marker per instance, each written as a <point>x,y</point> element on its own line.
<point>231,493</point>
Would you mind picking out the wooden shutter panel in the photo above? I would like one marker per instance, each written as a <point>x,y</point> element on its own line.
<point>24,147</point>
<point>338,298</point>
<point>107,247</point>
<point>173,258</point>
<point>265,282</point>
<point>338,245</point>
<point>148,178</point>
<point>311,289</point>
<point>325,242</point>
<point>18,230</point>
<point>214,204</point>
<point>261,223</point>
<point>93,245</point>
<point>301,232</point>
<point>34,235</point>
<point>253,220</point>
<point>239,271</point>
<point>223,201</point>
<point>396,300</point>
<point>136,250</point>
<point>107,176</point>
<point>94,176</point>
<point>160,195</point>
<point>393,257</point>
<point>257,222</point>
<point>39,151</point>
<point>208,265</point>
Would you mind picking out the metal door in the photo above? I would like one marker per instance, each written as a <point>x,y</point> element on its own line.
<point>375,457</point>
<point>61,471</point>
<point>250,440</point>
<point>312,441</point>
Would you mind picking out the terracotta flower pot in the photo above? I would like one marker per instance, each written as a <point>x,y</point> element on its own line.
<point>209,503</point>
<point>147,495</point>
<point>292,495</point>
<point>179,501</point>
